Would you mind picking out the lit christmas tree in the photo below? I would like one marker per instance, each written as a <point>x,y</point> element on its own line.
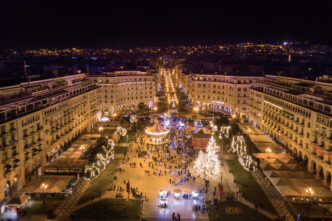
<point>208,164</point>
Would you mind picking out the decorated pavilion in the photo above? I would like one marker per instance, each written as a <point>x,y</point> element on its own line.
<point>156,135</point>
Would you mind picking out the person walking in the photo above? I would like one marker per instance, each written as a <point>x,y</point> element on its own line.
<point>179,217</point>
<point>173,216</point>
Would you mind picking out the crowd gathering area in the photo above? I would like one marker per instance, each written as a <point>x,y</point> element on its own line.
<point>154,167</point>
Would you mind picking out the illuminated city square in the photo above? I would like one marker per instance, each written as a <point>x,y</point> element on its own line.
<point>165,111</point>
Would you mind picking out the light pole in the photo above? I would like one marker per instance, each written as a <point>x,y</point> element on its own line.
<point>196,109</point>
<point>268,151</point>
<point>43,187</point>
<point>310,191</point>
<point>82,148</point>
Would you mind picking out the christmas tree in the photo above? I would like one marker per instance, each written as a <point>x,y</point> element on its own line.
<point>208,164</point>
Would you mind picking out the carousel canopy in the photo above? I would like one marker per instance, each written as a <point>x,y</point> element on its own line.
<point>156,130</point>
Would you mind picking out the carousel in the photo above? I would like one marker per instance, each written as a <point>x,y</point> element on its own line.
<point>156,135</point>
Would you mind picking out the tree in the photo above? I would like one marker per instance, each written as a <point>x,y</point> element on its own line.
<point>208,164</point>
<point>142,107</point>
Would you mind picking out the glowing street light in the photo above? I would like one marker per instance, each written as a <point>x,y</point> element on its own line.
<point>82,148</point>
<point>310,191</point>
<point>100,129</point>
<point>249,130</point>
<point>196,109</point>
<point>43,187</point>
<point>268,151</point>
<point>155,108</point>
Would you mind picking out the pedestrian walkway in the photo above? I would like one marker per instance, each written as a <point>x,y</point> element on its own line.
<point>68,205</point>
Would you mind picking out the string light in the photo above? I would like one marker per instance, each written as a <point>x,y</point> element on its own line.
<point>120,130</point>
<point>208,164</point>
<point>102,161</point>
<point>133,119</point>
<point>239,147</point>
<point>214,127</point>
<point>224,132</point>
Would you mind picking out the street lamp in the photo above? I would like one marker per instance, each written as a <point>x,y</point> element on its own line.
<point>268,151</point>
<point>249,131</point>
<point>310,191</point>
<point>100,129</point>
<point>43,187</point>
<point>82,148</point>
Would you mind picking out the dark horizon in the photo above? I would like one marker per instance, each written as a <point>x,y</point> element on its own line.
<point>126,24</point>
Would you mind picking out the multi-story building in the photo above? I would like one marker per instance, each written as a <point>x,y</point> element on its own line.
<point>38,120</point>
<point>123,90</point>
<point>221,93</point>
<point>298,114</point>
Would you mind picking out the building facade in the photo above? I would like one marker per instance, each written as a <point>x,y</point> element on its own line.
<point>124,90</point>
<point>38,121</point>
<point>296,113</point>
<point>220,93</point>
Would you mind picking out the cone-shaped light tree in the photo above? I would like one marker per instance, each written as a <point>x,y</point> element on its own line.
<point>208,164</point>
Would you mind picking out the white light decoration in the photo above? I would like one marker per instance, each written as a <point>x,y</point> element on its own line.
<point>239,147</point>
<point>120,130</point>
<point>104,119</point>
<point>214,127</point>
<point>98,115</point>
<point>102,161</point>
<point>224,132</point>
<point>133,119</point>
<point>208,164</point>
<point>157,133</point>
<point>150,104</point>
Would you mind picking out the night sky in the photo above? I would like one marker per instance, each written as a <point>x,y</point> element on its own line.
<point>121,23</point>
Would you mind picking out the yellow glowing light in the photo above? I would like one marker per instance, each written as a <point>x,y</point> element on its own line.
<point>100,128</point>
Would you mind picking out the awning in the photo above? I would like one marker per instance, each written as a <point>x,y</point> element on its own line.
<point>177,190</point>
<point>55,184</point>
<point>186,190</point>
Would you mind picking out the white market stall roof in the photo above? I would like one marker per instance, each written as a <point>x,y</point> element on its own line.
<point>289,177</point>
